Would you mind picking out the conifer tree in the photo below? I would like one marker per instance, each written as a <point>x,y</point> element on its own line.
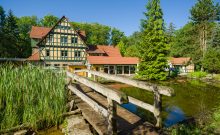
<point>153,48</point>
<point>215,41</point>
<point>203,14</point>
<point>10,38</point>
<point>2,17</point>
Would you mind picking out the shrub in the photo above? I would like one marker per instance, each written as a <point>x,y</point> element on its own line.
<point>198,74</point>
<point>30,95</point>
<point>186,129</point>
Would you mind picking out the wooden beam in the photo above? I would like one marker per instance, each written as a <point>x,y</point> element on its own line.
<point>140,84</point>
<point>141,104</point>
<point>157,107</point>
<point>112,124</point>
<point>71,113</point>
<point>115,95</point>
<point>89,101</point>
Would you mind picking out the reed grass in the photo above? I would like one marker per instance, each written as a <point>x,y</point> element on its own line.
<point>30,95</point>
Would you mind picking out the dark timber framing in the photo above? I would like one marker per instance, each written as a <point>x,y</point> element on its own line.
<point>54,43</point>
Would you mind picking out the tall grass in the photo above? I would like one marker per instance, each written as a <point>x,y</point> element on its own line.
<point>30,95</point>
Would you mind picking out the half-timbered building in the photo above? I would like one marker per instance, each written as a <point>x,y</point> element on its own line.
<point>59,46</point>
<point>62,46</point>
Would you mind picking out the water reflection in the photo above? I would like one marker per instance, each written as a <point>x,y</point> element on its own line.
<point>131,107</point>
<point>175,115</point>
<point>191,98</point>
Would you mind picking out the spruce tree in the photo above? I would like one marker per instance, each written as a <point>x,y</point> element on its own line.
<point>9,43</point>
<point>153,48</point>
<point>2,18</point>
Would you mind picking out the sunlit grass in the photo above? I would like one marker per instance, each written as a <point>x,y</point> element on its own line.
<point>30,95</point>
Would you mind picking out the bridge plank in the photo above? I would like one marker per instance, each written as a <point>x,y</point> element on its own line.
<point>125,119</point>
<point>97,121</point>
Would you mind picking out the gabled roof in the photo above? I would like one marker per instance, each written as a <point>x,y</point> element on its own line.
<point>34,57</point>
<point>39,32</point>
<point>180,61</point>
<point>99,60</point>
<point>42,32</point>
<point>113,56</point>
<point>108,50</point>
<point>94,49</point>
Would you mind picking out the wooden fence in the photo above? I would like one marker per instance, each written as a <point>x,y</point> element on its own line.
<point>116,97</point>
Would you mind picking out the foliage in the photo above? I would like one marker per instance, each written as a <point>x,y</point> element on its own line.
<point>216,120</point>
<point>131,44</point>
<point>9,36</point>
<point>170,33</point>
<point>2,18</point>
<point>184,129</point>
<point>30,95</point>
<point>49,20</point>
<point>215,40</point>
<point>186,44</point>
<point>24,24</point>
<point>132,51</point>
<point>153,48</point>
<point>116,36</point>
<point>198,74</point>
<point>205,11</point>
<point>97,34</point>
<point>121,47</point>
<point>211,61</point>
<point>203,14</point>
<point>14,35</point>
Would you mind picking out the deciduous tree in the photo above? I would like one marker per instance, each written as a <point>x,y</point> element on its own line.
<point>49,20</point>
<point>116,36</point>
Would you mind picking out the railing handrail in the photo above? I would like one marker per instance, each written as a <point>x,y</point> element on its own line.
<point>139,84</point>
<point>113,94</point>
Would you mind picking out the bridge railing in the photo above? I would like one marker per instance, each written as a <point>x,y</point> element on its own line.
<point>115,96</point>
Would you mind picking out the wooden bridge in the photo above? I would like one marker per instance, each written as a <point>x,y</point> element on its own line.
<point>100,105</point>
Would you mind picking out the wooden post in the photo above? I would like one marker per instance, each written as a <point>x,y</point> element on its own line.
<point>129,70</point>
<point>123,70</point>
<point>157,107</point>
<point>112,125</point>
<point>68,81</point>
<point>95,78</point>
<point>115,68</point>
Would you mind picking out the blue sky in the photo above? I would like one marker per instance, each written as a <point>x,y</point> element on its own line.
<point>122,14</point>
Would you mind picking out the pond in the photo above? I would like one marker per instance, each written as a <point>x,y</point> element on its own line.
<point>192,99</point>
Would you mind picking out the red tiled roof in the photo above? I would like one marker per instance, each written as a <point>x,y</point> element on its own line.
<point>112,60</point>
<point>39,32</point>
<point>111,51</point>
<point>34,57</point>
<point>94,49</point>
<point>82,33</point>
<point>180,61</point>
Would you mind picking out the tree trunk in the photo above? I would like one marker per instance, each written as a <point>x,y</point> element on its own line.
<point>203,42</point>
